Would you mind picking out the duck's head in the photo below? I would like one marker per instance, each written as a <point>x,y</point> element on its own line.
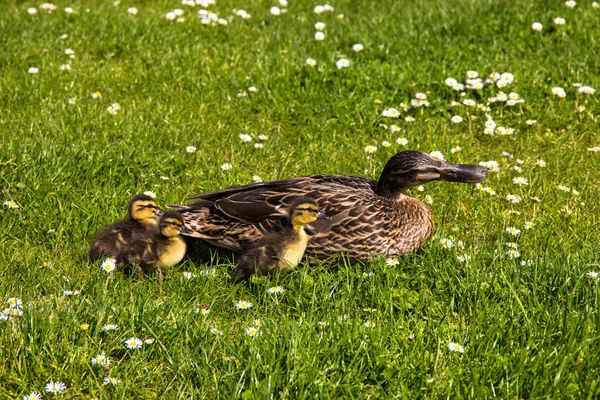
<point>142,208</point>
<point>171,224</point>
<point>412,168</point>
<point>303,211</point>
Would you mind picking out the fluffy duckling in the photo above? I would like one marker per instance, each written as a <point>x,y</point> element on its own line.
<point>155,251</point>
<point>283,248</point>
<point>112,238</point>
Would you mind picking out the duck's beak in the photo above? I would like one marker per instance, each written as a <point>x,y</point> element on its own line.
<point>185,230</point>
<point>322,215</point>
<point>467,173</point>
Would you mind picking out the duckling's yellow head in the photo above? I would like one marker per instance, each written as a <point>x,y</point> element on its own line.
<point>411,168</point>
<point>304,211</point>
<point>142,208</point>
<point>171,224</point>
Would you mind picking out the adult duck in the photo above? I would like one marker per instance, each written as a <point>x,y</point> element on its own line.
<point>366,216</point>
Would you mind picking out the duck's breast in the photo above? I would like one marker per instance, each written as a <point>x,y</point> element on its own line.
<point>174,253</point>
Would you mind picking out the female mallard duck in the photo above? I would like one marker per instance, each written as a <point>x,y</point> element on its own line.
<point>367,216</point>
<point>112,238</point>
<point>155,251</point>
<point>284,247</point>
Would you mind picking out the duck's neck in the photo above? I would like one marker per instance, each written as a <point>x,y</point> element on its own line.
<point>391,187</point>
<point>299,229</point>
<point>414,217</point>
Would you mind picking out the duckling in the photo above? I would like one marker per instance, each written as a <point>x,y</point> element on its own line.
<point>283,248</point>
<point>155,251</point>
<point>112,238</point>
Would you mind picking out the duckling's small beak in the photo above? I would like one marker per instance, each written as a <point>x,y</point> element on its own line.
<point>467,173</point>
<point>322,215</point>
<point>186,230</point>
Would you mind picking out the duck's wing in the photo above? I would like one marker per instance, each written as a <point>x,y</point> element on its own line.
<point>266,200</point>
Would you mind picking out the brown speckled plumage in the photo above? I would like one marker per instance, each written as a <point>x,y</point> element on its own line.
<point>367,216</point>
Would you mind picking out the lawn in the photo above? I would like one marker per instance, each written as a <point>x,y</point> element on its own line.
<point>100,102</point>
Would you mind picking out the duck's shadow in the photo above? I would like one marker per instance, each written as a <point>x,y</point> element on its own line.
<point>203,254</point>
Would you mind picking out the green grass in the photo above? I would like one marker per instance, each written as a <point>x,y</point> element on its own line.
<point>529,331</point>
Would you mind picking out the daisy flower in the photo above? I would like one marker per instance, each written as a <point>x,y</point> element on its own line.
<point>391,113</point>
<point>110,327</point>
<point>395,128</point>
<point>132,10</point>
<point>252,331</point>
<point>275,289</point>
<point>245,138</point>
<point>101,360</point>
<point>392,262</point>
<point>456,119</point>
<point>319,26</point>
<point>358,47</point>
<point>559,21</point>
<point>529,225</point>
<point>513,253</point>
<point>33,395</point>
<point>456,348</point>
<point>96,95</point>
<point>190,149</point>
<point>455,149</point>
<point>521,181</point>
<point>342,63</point>
<point>311,62</point>
<point>31,11</point>
<point>370,149</point>
<point>55,387</point>
<point>114,109</point>
<point>11,204</point>
<point>586,90</point>
<point>513,231</point>
<point>319,36</point>
<point>592,274</point>
<point>243,305</point>
<point>570,4</point>
<point>437,155</point>
<point>410,119</point>
<point>33,70</point>
<point>513,199</point>
<point>402,141</point>
<point>275,11</point>
<point>15,302</point>
<point>112,381</point>
<point>108,265</point>
<point>133,343</point>
<point>536,26</point>
<point>560,92</point>
<point>226,167</point>
<point>531,122</point>
<point>463,258</point>
<point>370,324</point>
<point>256,178</point>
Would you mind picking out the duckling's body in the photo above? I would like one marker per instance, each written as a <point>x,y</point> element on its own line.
<point>155,251</point>
<point>283,248</point>
<point>114,237</point>
<point>367,216</point>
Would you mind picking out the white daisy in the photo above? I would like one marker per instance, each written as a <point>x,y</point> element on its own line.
<point>133,343</point>
<point>455,347</point>
<point>243,305</point>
